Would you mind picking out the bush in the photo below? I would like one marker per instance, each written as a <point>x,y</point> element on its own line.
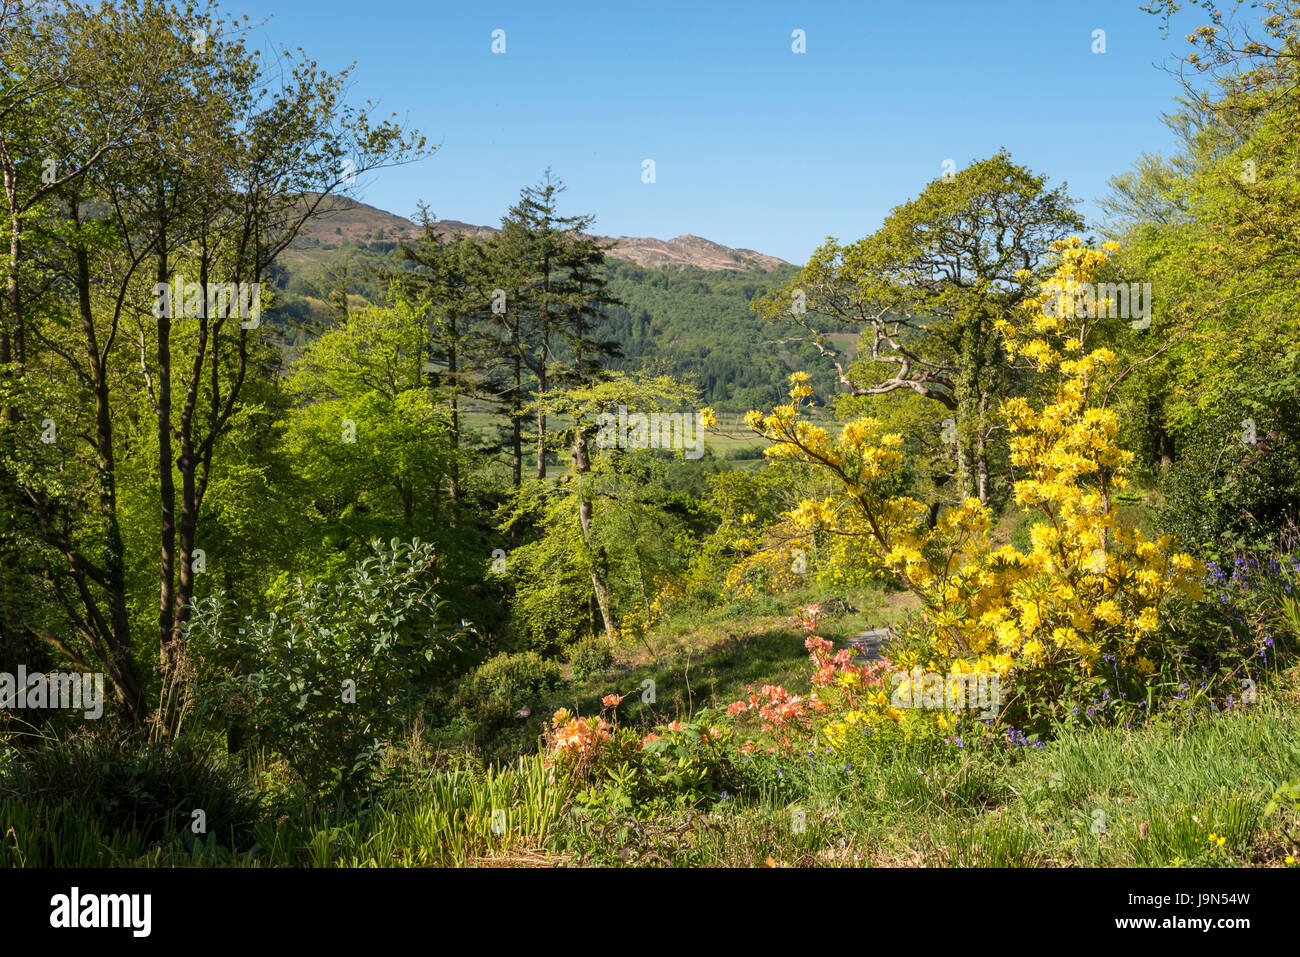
<point>322,680</point>
<point>138,787</point>
<point>493,694</point>
<point>590,657</point>
<point>1226,494</point>
<point>680,765</point>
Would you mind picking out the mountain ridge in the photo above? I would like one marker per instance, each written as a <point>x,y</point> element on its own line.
<point>360,222</point>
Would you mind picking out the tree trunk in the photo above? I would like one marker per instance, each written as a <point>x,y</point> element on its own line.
<point>541,408</point>
<point>516,436</point>
<point>121,670</point>
<point>981,456</point>
<point>581,466</point>
<point>166,479</point>
<point>453,490</point>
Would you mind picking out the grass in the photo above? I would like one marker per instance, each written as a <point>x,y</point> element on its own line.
<point>1148,796</point>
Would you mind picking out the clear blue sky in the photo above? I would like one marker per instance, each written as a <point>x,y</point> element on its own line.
<point>754,145</point>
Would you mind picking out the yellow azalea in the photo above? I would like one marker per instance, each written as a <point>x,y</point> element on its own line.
<point>1086,586</point>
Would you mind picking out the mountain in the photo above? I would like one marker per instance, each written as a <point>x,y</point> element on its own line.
<point>685,301</point>
<point>347,220</point>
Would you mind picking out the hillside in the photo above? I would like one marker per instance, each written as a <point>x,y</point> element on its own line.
<point>347,220</point>
<point>685,301</point>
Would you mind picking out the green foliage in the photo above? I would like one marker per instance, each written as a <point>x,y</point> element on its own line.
<point>1235,485</point>
<point>322,679</point>
<point>491,696</point>
<point>1189,834</point>
<point>696,325</point>
<point>687,765</point>
<point>128,786</point>
<point>589,657</point>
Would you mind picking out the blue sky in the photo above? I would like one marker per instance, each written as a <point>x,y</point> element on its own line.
<point>754,145</point>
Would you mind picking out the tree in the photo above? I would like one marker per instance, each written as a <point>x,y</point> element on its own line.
<point>1212,227</point>
<point>142,251</point>
<point>592,480</point>
<point>450,280</point>
<point>555,296</point>
<point>926,290</point>
<point>1089,588</point>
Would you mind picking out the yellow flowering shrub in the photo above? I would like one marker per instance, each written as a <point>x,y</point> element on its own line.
<point>1088,588</point>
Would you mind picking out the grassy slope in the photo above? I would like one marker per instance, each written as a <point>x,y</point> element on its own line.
<point>1162,788</point>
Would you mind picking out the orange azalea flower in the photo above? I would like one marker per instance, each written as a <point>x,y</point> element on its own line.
<point>612,700</point>
<point>675,726</point>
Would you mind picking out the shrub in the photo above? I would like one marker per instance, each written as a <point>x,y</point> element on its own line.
<point>322,679</point>
<point>130,785</point>
<point>493,694</point>
<point>590,657</point>
<point>678,765</point>
<point>1235,485</point>
<point>1087,593</point>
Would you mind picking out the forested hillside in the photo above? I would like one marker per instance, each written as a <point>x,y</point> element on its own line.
<point>681,319</point>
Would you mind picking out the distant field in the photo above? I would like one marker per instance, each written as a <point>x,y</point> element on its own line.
<point>727,437</point>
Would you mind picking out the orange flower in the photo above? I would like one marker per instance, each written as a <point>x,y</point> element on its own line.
<point>612,700</point>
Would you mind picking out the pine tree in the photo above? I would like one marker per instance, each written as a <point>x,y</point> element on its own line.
<point>556,299</point>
